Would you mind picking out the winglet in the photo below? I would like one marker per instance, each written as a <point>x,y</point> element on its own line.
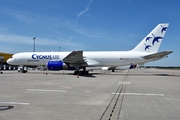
<point>152,42</point>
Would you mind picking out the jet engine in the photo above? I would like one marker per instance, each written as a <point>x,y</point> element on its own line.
<point>56,65</point>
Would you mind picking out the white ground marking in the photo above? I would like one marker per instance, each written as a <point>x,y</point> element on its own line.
<point>42,90</point>
<point>87,91</point>
<point>48,83</point>
<point>66,87</point>
<point>15,103</point>
<point>124,82</point>
<point>140,94</point>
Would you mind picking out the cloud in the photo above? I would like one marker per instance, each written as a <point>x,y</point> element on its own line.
<point>93,33</point>
<point>69,39</point>
<point>82,12</point>
<point>2,29</point>
<point>23,18</point>
<point>9,38</point>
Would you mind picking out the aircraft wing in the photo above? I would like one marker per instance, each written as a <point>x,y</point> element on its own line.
<point>157,55</point>
<point>75,57</point>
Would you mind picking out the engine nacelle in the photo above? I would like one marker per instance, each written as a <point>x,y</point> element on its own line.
<point>56,65</point>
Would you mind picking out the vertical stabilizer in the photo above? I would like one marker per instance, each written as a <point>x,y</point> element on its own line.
<point>152,41</point>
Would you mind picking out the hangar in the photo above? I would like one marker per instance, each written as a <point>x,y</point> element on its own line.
<point>3,59</point>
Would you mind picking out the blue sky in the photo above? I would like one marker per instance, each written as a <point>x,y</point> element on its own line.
<point>88,25</point>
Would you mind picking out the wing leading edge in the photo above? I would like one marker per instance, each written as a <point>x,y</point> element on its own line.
<point>75,57</point>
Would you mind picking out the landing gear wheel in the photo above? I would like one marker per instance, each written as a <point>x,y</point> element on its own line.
<point>76,72</point>
<point>24,71</point>
<point>86,72</point>
<point>81,72</point>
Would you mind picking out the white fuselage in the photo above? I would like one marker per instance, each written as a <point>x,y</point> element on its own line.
<point>103,58</point>
<point>145,51</point>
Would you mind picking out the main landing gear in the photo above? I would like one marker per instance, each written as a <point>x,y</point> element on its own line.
<point>81,71</point>
<point>22,69</point>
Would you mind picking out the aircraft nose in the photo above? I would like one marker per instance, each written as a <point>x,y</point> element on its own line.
<point>9,61</point>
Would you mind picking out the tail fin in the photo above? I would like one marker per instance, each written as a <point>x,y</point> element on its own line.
<point>152,41</point>
<point>133,66</point>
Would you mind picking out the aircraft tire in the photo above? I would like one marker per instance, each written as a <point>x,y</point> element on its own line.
<point>76,72</point>
<point>113,70</point>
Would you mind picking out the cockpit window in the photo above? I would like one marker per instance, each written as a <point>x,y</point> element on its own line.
<point>12,56</point>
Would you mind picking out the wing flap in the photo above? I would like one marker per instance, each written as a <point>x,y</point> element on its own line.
<point>157,55</point>
<point>91,62</point>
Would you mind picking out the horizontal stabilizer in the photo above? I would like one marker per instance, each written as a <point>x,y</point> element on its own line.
<point>157,55</point>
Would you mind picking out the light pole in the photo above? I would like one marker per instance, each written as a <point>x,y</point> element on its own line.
<point>34,43</point>
<point>59,49</point>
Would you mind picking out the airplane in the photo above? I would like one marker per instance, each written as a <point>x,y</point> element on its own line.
<point>78,60</point>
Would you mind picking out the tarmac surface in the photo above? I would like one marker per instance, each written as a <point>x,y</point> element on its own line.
<point>140,94</point>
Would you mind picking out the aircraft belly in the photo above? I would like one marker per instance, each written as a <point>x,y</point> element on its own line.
<point>120,62</point>
<point>33,62</point>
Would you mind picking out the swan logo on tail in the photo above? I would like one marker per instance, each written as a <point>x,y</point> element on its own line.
<point>156,39</point>
<point>163,29</point>
<point>152,42</point>
<point>148,38</point>
<point>147,46</point>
